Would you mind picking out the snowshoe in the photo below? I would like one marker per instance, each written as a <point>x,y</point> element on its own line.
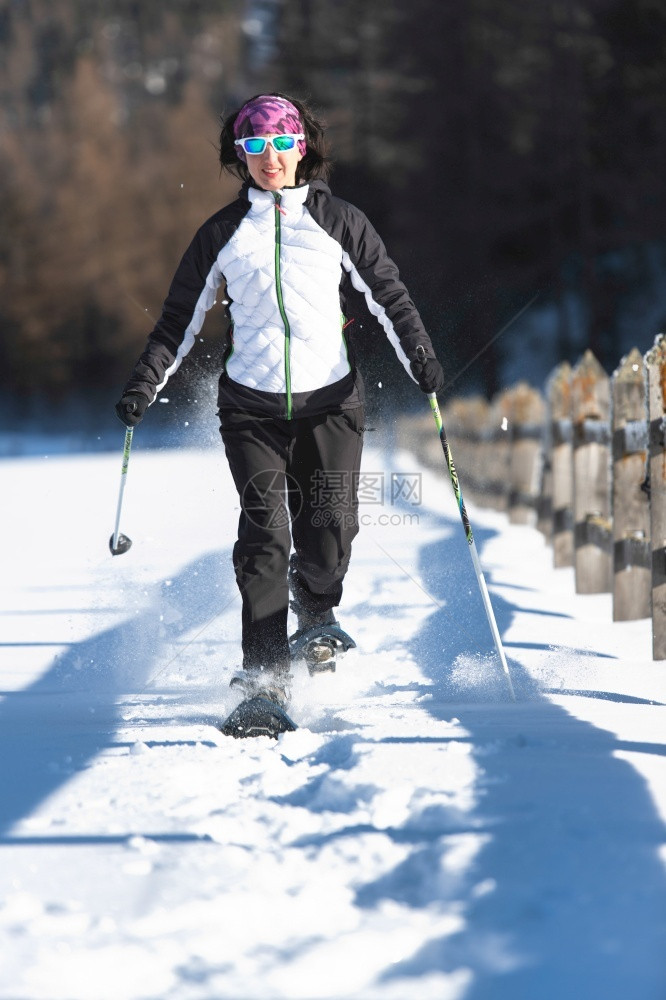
<point>319,645</point>
<point>263,709</point>
<point>318,638</point>
<point>257,716</point>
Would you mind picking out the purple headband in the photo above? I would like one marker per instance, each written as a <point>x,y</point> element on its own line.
<point>268,115</point>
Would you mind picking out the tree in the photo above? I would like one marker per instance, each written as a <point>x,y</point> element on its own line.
<point>108,173</point>
<point>506,149</point>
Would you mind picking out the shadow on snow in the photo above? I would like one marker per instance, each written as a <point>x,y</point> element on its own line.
<point>565,897</point>
<point>56,726</point>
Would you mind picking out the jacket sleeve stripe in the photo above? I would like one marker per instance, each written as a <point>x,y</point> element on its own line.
<point>205,302</point>
<point>376,309</point>
<point>191,295</point>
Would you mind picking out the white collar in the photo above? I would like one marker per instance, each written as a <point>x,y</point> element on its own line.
<point>291,198</point>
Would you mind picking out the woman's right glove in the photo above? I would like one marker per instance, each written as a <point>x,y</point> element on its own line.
<point>131,408</point>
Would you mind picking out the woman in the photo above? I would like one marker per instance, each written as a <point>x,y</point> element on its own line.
<point>290,396</point>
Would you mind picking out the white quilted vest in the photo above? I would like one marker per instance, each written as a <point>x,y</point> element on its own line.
<point>283,278</point>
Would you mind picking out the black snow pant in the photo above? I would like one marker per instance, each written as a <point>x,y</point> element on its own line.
<point>297,482</point>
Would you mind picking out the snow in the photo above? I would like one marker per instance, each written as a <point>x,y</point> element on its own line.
<point>419,835</point>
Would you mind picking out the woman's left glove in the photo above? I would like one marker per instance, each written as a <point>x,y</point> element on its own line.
<point>428,373</point>
<point>131,408</point>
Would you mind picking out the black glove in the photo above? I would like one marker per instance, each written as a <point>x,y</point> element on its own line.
<point>131,408</point>
<point>427,372</point>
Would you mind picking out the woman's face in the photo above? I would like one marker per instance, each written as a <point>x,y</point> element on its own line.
<point>272,171</point>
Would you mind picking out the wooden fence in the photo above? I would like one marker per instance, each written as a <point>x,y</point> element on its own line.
<point>584,463</point>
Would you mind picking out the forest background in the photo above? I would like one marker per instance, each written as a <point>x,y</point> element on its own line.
<point>512,154</point>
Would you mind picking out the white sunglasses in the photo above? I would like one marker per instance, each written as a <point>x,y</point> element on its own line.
<point>256,144</point>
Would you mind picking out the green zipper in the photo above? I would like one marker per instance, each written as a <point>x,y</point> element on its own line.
<point>343,324</point>
<point>283,314</point>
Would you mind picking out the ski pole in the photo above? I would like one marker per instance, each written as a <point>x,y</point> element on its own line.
<point>470,539</point>
<point>120,543</point>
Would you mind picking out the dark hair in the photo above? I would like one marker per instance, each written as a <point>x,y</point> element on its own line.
<point>314,164</point>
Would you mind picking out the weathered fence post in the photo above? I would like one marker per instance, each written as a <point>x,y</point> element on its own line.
<point>486,437</point>
<point>632,577</point>
<point>525,434</point>
<point>498,456</point>
<point>467,420</point>
<point>655,361</point>
<point>590,393</point>
<point>478,424</point>
<point>561,438</point>
<point>545,501</point>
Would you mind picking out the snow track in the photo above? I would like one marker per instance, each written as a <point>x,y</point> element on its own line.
<point>418,837</point>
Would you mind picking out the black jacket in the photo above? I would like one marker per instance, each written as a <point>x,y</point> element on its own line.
<point>289,260</point>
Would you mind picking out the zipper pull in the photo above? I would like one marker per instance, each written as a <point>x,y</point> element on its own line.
<point>278,205</point>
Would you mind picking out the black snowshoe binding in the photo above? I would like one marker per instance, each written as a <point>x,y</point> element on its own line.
<point>255,682</point>
<point>319,645</point>
<point>262,712</point>
<point>257,717</point>
<point>319,638</point>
